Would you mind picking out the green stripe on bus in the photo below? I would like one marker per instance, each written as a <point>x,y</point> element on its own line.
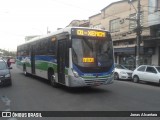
<point>42,65</point>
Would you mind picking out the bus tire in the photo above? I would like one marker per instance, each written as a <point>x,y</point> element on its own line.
<point>51,78</point>
<point>24,70</point>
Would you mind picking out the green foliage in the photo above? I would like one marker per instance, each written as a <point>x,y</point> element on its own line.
<point>7,53</point>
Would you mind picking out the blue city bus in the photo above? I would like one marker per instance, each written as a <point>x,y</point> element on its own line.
<point>73,56</point>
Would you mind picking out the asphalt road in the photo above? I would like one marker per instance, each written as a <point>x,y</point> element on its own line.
<point>36,94</point>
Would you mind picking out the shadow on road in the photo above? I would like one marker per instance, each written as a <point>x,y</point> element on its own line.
<point>73,90</point>
<point>150,84</point>
<point>141,82</point>
<point>86,90</point>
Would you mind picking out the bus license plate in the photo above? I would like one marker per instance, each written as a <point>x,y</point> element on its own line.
<point>96,83</point>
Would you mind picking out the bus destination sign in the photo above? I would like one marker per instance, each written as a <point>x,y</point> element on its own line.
<point>90,33</point>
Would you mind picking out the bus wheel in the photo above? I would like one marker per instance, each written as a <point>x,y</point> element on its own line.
<point>52,79</point>
<point>24,70</point>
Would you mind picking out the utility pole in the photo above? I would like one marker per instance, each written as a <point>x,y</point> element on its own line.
<point>138,30</point>
<point>138,33</point>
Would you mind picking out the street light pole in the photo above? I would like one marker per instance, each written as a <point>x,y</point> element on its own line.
<point>138,33</point>
<point>138,30</point>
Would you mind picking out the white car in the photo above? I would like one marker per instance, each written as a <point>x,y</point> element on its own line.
<point>147,73</point>
<point>122,72</point>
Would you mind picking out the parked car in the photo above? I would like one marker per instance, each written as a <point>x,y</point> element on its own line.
<point>122,72</point>
<point>147,73</point>
<point>5,75</point>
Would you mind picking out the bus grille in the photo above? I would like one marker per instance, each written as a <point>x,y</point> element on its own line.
<point>90,82</point>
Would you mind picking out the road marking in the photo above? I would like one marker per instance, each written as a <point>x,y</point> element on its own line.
<point>5,100</point>
<point>7,103</point>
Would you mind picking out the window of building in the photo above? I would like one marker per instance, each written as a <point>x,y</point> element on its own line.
<point>128,61</point>
<point>114,25</point>
<point>115,43</point>
<point>130,42</point>
<point>145,59</point>
<point>98,26</point>
<point>133,22</point>
<point>151,7</point>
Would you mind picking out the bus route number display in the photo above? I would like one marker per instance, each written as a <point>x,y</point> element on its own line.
<point>88,60</point>
<point>90,33</point>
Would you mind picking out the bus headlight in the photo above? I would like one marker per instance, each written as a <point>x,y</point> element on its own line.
<point>75,73</point>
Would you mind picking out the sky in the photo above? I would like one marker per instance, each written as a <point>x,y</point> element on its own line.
<point>20,18</point>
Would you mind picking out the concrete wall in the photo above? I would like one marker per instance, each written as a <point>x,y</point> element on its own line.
<point>121,10</point>
<point>95,21</point>
<point>155,57</point>
<point>154,15</point>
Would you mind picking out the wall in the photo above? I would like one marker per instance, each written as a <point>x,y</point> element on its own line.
<point>124,10</point>
<point>155,57</point>
<point>154,16</point>
<point>95,21</point>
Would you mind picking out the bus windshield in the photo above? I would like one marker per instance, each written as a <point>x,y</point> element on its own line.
<point>92,53</point>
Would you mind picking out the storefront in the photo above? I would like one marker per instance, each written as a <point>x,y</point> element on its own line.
<point>126,57</point>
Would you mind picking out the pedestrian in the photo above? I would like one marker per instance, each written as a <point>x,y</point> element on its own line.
<point>8,62</point>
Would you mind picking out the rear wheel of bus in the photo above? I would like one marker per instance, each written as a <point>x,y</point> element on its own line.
<point>51,78</point>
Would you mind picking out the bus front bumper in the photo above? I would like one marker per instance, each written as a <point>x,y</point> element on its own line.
<point>81,82</point>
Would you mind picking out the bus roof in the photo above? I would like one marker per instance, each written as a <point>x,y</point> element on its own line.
<point>67,29</point>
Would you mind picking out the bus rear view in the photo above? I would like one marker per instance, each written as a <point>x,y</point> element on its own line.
<point>92,57</point>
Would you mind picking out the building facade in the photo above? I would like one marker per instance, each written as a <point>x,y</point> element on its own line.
<point>120,19</point>
<point>154,24</point>
<point>79,23</point>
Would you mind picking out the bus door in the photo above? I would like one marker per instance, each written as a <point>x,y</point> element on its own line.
<point>61,58</point>
<point>32,60</point>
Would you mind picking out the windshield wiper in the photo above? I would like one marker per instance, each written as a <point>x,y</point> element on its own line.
<point>88,43</point>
